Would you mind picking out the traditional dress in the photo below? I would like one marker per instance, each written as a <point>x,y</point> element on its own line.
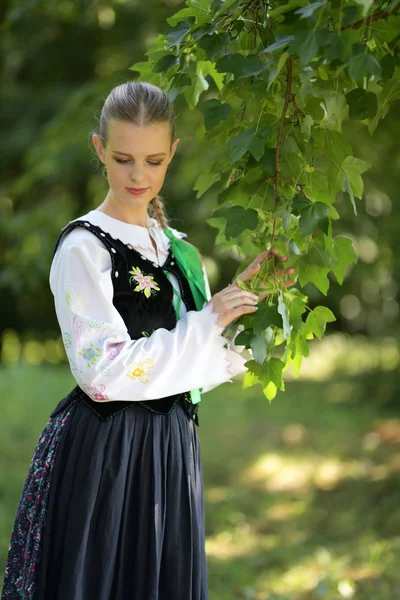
<point>112,507</point>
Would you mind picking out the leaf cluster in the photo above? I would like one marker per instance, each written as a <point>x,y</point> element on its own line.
<point>276,82</point>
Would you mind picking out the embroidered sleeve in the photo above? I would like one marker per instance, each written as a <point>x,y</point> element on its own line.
<point>105,361</point>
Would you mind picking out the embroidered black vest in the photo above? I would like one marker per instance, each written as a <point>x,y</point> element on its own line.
<point>142,314</point>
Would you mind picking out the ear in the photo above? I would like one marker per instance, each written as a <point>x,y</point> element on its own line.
<point>173,148</point>
<point>99,147</point>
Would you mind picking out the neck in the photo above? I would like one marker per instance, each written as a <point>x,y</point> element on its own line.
<point>123,213</point>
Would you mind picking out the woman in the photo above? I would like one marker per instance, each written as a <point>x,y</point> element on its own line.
<point>112,506</point>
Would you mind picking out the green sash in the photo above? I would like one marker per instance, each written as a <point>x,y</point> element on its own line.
<point>189,261</point>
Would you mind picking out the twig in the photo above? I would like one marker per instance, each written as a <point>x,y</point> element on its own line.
<point>380,14</point>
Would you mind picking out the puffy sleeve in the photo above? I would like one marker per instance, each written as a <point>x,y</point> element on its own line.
<point>233,352</point>
<point>105,361</point>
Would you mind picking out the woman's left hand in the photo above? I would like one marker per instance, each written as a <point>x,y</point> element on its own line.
<point>254,266</point>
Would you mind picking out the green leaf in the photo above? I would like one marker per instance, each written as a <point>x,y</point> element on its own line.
<point>306,125</point>
<point>283,311</point>
<point>281,42</point>
<point>245,141</point>
<point>215,112</point>
<point>297,308</point>
<point>208,68</point>
<point>258,345</point>
<point>351,180</point>
<point>244,338</point>
<point>308,11</point>
<point>345,255</point>
<point>183,15</point>
<point>316,275</point>
<point>336,107</point>
<point>271,372</point>
<point>278,66</point>
<point>265,316</point>
<point>362,104</point>
<point>306,44</point>
<point>199,85</point>
<point>311,213</point>
<point>241,66</point>
<point>165,63</point>
<point>177,33</point>
<point>366,4</point>
<point>214,44</point>
<point>205,181</point>
<point>317,319</point>
<point>333,46</point>
<point>364,64</point>
<point>238,219</point>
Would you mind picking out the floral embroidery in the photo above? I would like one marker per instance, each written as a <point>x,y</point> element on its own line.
<point>76,330</point>
<point>106,371</point>
<point>25,546</point>
<point>90,354</point>
<point>95,323</point>
<point>94,392</point>
<point>146,283</point>
<point>115,350</point>
<point>147,334</point>
<point>72,299</point>
<point>138,370</point>
<point>67,339</point>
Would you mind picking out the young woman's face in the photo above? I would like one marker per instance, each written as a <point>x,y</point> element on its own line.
<point>136,157</point>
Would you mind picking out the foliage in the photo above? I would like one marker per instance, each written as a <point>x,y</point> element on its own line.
<point>276,83</point>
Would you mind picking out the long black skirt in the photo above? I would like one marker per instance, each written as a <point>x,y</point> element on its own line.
<point>111,510</point>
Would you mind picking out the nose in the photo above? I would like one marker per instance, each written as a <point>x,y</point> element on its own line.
<point>136,175</point>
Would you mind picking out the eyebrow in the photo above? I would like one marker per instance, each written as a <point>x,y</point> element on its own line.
<point>151,155</point>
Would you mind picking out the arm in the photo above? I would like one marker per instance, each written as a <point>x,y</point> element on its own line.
<point>105,362</point>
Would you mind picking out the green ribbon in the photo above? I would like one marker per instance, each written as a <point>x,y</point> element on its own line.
<point>189,261</point>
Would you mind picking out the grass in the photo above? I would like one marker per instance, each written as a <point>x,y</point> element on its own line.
<point>302,495</point>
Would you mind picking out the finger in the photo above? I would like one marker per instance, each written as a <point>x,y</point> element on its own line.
<point>263,295</point>
<point>233,288</point>
<point>284,272</point>
<point>234,301</point>
<point>242,310</point>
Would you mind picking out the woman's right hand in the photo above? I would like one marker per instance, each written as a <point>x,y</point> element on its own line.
<point>232,302</point>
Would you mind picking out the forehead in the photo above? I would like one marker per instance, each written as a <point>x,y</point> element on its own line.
<point>140,139</point>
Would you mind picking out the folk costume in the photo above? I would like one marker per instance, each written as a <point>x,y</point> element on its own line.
<point>112,507</point>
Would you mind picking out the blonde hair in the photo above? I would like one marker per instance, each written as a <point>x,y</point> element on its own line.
<point>141,103</point>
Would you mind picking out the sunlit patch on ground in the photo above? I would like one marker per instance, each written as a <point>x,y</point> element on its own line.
<point>279,473</point>
<point>351,355</point>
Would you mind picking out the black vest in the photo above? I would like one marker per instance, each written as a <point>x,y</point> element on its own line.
<point>142,315</point>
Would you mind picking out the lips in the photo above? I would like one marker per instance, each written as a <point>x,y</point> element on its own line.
<point>136,189</point>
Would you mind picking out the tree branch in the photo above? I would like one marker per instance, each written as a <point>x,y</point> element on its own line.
<point>380,14</point>
<point>288,97</point>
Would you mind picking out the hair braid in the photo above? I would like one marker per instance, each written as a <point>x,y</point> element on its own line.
<point>158,211</point>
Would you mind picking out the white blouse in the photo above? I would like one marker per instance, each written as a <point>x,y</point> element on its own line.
<point>105,361</point>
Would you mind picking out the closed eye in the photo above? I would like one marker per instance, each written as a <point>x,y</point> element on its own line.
<point>124,162</point>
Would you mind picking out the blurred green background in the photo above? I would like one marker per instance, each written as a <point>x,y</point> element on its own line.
<point>302,495</point>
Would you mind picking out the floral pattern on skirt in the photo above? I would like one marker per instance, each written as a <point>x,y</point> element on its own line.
<point>25,545</point>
